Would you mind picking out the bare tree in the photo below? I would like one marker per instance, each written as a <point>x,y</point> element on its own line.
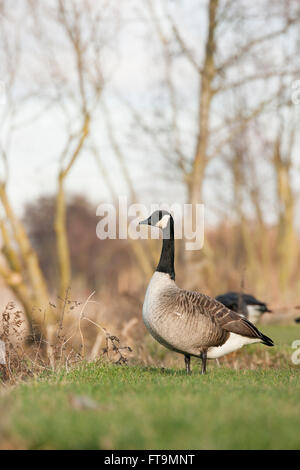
<point>230,60</point>
<point>75,92</point>
<point>20,268</point>
<point>213,67</point>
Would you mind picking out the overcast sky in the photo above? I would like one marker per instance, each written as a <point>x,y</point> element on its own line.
<point>33,158</point>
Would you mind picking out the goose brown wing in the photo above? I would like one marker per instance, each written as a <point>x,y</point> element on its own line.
<point>223,317</point>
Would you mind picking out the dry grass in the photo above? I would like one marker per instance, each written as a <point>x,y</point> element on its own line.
<point>74,338</point>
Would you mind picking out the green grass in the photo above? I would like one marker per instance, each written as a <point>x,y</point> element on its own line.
<point>282,335</point>
<point>150,408</point>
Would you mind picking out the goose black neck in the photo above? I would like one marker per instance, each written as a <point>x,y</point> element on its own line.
<point>166,262</point>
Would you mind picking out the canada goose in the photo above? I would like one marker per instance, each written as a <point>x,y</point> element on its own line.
<point>187,322</point>
<point>245,304</point>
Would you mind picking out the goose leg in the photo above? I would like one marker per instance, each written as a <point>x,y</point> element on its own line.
<point>204,358</point>
<point>187,360</point>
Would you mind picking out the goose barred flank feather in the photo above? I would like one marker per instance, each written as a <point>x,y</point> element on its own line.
<point>245,304</point>
<point>195,304</point>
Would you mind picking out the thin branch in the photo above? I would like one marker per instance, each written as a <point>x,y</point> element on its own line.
<point>254,42</point>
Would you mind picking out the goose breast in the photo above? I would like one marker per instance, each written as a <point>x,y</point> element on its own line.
<point>173,319</point>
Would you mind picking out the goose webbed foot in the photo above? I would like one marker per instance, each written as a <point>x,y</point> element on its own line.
<point>204,359</point>
<point>187,361</point>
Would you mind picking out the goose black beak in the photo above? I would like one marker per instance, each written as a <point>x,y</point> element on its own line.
<point>144,222</point>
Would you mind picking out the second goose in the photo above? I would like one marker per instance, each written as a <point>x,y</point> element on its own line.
<point>245,304</point>
<point>187,322</point>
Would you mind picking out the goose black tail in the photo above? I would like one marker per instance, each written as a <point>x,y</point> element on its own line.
<point>266,340</point>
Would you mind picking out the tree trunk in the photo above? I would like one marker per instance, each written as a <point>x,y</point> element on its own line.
<point>39,310</point>
<point>195,178</point>
<point>206,93</point>
<point>286,231</point>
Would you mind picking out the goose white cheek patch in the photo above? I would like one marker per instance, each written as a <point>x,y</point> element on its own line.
<point>163,222</point>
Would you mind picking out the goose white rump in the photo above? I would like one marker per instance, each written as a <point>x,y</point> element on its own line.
<point>233,343</point>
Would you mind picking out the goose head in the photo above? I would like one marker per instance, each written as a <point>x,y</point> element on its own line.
<point>160,219</point>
